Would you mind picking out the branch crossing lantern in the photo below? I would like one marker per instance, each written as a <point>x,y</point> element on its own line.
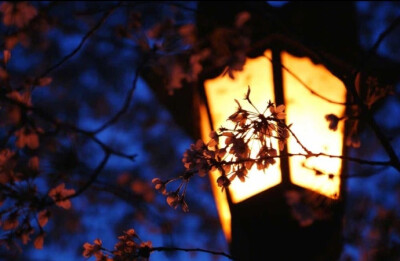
<point>294,209</point>
<point>309,92</point>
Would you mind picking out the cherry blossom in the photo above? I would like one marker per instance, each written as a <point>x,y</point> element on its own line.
<point>229,150</point>
<point>59,195</point>
<point>95,249</point>
<point>278,112</point>
<point>18,14</point>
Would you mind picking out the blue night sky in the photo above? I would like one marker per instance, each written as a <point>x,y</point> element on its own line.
<point>99,221</point>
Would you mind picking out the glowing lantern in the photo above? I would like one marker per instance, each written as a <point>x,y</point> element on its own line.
<point>309,92</point>
<point>255,215</point>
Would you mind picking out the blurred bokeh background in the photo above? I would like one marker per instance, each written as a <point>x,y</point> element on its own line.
<point>93,85</point>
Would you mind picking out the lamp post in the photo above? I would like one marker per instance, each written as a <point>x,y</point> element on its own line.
<point>274,214</point>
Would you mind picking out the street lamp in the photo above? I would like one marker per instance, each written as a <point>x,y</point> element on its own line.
<point>264,218</point>
<point>309,92</point>
<point>258,216</point>
<point>305,109</point>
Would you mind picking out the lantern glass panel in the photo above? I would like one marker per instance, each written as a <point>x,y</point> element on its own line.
<point>304,109</point>
<point>221,92</point>
<point>307,112</point>
<point>221,200</point>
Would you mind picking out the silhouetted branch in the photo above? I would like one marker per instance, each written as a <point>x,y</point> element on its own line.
<point>298,142</point>
<point>380,39</point>
<point>92,178</point>
<point>306,86</point>
<point>136,201</point>
<point>85,37</point>
<point>88,183</point>
<point>332,65</point>
<point>125,106</point>
<point>109,150</point>
<point>394,160</point>
<point>68,127</point>
<point>309,155</point>
<point>350,85</point>
<point>174,4</point>
<point>364,109</point>
<point>191,250</point>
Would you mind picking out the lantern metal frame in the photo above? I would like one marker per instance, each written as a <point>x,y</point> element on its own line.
<point>268,213</point>
<point>263,224</point>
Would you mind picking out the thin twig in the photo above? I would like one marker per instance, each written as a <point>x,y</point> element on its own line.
<point>174,4</point>
<point>354,159</point>
<point>92,178</point>
<point>298,141</point>
<point>68,127</point>
<point>350,85</point>
<point>109,150</point>
<point>375,127</point>
<point>126,104</point>
<point>191,250</point>
<point>378,42</point>
<point>84,39</point>
<point>355,175</point>
<point>306,86</point>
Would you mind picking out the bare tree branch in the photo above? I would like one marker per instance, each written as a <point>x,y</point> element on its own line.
<point>92,178</point>
<point>306,86</point>
<point>378,42</point>
<point>84,39</point>
<point>308,155</point>
<point>88,183</point>
<point>298,142</point>
<point>125,106</point>
<point>350,85</point>
<point>191,250</point>
<point>394,160</point>
<point>68,127</point>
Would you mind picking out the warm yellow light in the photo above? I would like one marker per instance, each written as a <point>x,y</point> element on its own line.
<point>221,93</point>
<point>221,200</point>
<point>305,110</point>
<point>307,113</point>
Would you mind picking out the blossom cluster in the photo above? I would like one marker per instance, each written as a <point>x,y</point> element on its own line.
<point>25,210</point>
<point>129,247</point>
<point>253,141</point>
<point>22,204</point>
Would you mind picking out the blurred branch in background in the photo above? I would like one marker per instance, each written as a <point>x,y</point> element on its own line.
<point>97,99</point>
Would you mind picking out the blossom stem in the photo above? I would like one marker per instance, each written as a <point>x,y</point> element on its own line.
<point>354,159</point>
<point>298,141</point>
<point>92,178</point>
<point>191,250</point>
